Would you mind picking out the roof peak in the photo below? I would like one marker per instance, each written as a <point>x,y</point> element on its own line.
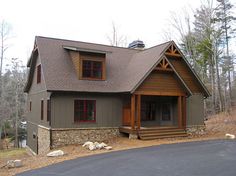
<point>53,38</point>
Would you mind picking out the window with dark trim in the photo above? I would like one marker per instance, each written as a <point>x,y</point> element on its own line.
<point>42,110</point>
<point>48,110</point>
<point>84,110</point>
<point>30,106</point>
<point>38,74</point>
<point>92,69</point>
<point>148,111</point>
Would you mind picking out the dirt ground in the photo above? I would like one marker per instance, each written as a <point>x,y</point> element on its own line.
<point>216,127</point>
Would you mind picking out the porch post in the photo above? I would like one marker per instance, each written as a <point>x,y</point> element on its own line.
<point>184,112</point>
<point>132,111</point>
<point>180,120</point>
<point>138,111</point>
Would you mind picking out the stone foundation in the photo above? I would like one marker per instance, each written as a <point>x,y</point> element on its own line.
<point>196,130</point>
<point>43,139</point>
<point>133,136</point>
<point>62,137</point>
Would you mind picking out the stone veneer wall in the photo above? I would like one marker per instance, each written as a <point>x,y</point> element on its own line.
<point>43,139</point>
<point>196,130</point>
<point>62,137</point>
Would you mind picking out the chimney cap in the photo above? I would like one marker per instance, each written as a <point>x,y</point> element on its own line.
<point>137,44</point>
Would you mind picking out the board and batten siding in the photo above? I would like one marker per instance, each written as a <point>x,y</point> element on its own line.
<point>34,115</point>
<point>37,87</point>
<point>195,110</point>
<point>161,82</point>
<point>108,110</point>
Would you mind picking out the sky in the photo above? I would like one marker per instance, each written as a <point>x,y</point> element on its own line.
<point>87,20</point>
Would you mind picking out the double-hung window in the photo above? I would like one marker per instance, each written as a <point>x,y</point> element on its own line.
<point>84,110</point>
<point>92,69</point>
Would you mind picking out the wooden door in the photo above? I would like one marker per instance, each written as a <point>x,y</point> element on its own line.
<point>126,121</point>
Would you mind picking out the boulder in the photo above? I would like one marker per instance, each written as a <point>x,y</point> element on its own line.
<point>101,145</point>
<point>87,144</point>
<point>14,163</point>
<point>93,146</point>
<point>56,153</point>
<point>108,147</point>
<point>229,136</point>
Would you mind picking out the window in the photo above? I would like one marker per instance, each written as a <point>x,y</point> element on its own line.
<point>38,74</point>
<point>30,106</point>
<point>148,111</point>
<point>92,69</point>
<point>41,109</point>
<point>48,110</point>
<point>84,110</point>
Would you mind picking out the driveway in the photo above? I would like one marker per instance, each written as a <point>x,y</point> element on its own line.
<point>213,158</point>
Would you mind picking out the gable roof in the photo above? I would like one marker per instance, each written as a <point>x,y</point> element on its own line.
<point>125,68</point>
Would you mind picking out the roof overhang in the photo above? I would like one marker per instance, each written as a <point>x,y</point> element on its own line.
<point>72,48</point>
<point>206,92</point>
<point>154,66</point>
<point>31,64</point>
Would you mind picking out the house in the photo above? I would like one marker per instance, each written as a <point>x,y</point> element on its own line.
<point>81,91</point>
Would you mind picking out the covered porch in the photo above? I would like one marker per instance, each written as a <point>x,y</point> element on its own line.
<point>154,115</point>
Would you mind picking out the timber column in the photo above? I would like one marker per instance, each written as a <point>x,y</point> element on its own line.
<point>132,111</point>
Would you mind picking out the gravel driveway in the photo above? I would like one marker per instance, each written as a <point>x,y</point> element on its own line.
<point>207,158</point>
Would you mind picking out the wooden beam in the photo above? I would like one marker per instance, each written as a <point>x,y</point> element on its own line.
<point>173,54</point>
<point>160,93</point>
<point>138,111</point>
<point>132,111</point>
<point>180,120</point>
<point>184,112</point>
<point>163,69</point>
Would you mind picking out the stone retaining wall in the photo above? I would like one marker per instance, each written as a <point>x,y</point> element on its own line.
<point>43,139</point>
<point>62,137</point>
<point>196,130</point>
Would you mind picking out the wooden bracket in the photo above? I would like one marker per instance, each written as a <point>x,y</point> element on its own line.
<point>172,51</point>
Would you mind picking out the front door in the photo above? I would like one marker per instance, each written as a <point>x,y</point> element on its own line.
<point>166,114</point>
<point>126,120</point>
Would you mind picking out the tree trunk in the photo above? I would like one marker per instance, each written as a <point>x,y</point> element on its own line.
<point>218,85</point>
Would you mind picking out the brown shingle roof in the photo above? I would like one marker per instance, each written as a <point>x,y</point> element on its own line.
<point>125,68</point>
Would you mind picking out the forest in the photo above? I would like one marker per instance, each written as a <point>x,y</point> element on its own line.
<point>206,37</point>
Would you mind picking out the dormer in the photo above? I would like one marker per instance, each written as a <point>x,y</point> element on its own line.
<point>89,64</point>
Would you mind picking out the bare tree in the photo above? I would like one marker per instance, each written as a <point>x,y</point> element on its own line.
<point>5,30</point>
<point>115,39</point>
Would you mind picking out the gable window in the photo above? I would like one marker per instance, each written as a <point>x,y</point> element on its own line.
<point>92,69</point>
<point>42,110</point>
<point>84,110</point>
<point>38,74</point>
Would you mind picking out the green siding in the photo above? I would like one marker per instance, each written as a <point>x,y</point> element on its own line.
<point>108,110</point>
<point>34,115</point>
<point>195,110</point>
<point>32,142</point>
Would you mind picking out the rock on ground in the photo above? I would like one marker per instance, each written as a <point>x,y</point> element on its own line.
<point>14,163</point>
<point>56,153</point>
